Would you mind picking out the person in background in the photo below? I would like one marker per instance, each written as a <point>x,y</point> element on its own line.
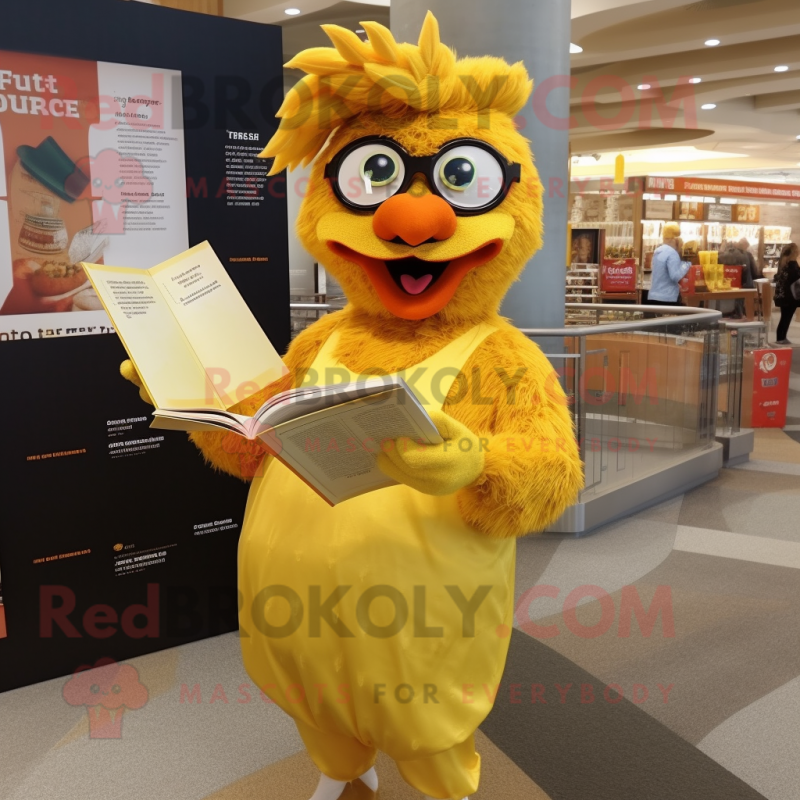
<point>788,273</point>
<point>744,245</point>
<point>731,254</point>
<point>668,269</point>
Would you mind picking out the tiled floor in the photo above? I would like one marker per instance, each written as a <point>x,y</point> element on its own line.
<point>711,682</point>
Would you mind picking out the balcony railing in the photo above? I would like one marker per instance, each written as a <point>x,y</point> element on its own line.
<point>641,383</point>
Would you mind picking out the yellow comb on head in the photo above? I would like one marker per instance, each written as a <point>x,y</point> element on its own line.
<point>382,76</point>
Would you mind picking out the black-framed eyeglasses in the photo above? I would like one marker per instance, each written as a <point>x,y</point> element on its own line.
<point>471,175</point>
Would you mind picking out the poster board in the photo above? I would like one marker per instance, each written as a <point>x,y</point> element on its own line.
<point>95,502</point>
<point>84,180</point>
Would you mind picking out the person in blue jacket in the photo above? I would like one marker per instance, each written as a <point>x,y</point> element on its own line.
<point>668,269</point>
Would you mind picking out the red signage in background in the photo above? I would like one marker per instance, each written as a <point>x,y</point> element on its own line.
<point>770,370</point>
<point>734,274</point>
<point>718,188</point>
<point>618,275</point>
<point>693,280</point>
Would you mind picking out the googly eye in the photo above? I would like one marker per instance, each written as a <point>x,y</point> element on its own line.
<point>469,177</point>
<point>370,174</point>
<point>380,169</point>
<point>458,173</point>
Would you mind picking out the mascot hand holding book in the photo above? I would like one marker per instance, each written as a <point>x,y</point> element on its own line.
<point>366,621</point>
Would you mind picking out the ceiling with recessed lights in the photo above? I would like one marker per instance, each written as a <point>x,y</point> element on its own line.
<point>740,97</point>
<point>645,77</point>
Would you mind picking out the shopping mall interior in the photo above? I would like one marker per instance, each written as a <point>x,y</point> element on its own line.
<point>652,621</point>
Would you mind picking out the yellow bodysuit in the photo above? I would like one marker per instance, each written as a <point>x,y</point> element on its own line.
<point>412,667</point>
<point>384,623</point>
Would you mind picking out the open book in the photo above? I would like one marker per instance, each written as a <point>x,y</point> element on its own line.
<point>328,436</point>
<point>199,350</point>
<point>188,331</point>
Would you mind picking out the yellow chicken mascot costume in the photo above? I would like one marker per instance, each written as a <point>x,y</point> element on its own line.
<point>383,623</point>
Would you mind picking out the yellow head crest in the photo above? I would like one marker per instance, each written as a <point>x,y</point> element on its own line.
<point>382,76</point>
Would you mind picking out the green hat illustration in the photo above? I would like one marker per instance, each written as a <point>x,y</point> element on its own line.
<point>53,168</point>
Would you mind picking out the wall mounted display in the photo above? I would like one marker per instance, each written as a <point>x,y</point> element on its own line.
<point>659,209</point>
<point>124,150</point>
<point>690,211</point>
<point>746,213</point>
<point>719,212</point>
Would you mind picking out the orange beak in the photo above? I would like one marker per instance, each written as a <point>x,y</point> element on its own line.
<point>410,287</point>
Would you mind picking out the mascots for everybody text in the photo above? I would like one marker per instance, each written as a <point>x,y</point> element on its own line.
<point>425,205</point>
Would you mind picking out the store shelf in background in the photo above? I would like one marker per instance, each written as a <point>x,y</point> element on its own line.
<point>582,283</point>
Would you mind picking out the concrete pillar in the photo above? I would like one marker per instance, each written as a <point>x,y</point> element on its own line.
<point>536,32</point>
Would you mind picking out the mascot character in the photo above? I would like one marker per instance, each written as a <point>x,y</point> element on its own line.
<point>376,622</point>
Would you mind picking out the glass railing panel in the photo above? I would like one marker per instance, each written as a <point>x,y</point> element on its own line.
<point>644,393</point>
<point>737,342</point>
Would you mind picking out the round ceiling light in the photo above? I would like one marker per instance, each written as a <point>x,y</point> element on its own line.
<point>695,80</point>
<point>711,42</point>
<point>292,12</point>
<point>643,87</point>
<point>782,68</point>
<point>708,106</point>
<point>575,48</point>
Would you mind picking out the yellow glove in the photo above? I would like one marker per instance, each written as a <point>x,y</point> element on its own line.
<point>437,469</point>
<point>128,371</point>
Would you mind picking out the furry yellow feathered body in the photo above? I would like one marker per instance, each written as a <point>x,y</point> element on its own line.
<point>425,260</point>
<point>532,469</point>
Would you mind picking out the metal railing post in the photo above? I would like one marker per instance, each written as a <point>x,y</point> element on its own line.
<point>580,419</point>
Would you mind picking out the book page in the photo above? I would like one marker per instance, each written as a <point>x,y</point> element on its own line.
<point>235,352</point>
<point>336,450</point>
<point>203,420</point>
<point>164,359</point>
<point>297,403</point>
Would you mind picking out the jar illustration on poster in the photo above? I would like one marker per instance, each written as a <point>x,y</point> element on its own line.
<point>44,217</point>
